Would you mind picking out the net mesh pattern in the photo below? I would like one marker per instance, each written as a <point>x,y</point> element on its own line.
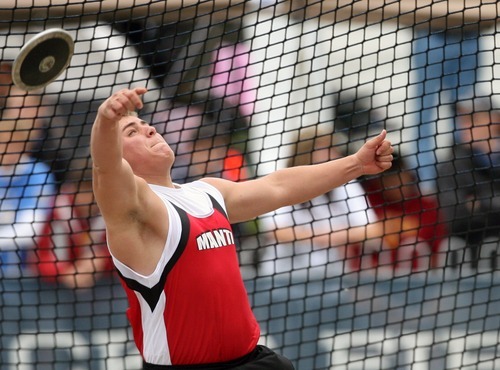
<point>391,271</point>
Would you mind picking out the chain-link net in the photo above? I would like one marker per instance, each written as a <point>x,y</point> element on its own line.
<point>395,271</point>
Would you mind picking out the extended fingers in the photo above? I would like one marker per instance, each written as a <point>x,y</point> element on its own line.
<point>134,97</point>
<point>123,101</point>
<point>126,100</point>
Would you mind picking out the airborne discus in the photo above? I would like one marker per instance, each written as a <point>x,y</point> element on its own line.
<point>42,59</point>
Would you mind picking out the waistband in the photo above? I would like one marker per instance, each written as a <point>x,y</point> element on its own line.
<point>212,366</point>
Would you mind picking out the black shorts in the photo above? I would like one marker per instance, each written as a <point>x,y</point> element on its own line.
<point>261,358</point>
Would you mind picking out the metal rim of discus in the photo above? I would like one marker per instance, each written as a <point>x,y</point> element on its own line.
<point>42,59</point>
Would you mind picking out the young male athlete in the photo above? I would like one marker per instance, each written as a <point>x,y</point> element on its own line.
<point>173,245</point>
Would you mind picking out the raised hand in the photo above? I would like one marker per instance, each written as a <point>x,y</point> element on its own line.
<point>375,155</point>
<point>121,102</point>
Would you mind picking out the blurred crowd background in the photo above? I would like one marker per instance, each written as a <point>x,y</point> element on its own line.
<point>403,266</point>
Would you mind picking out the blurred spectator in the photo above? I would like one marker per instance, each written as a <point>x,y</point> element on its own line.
<point>444,71</point>
<point>297,239</point>
<point>27,186</point>
<point>221,113</point>
<point>212,155</point>
<point>469,181</point>
<point>232,82</point>
<point>71,247</point>
<point>202,145</point>
<point>409,232</point>
<point>299,235</point>
<point>405,231</point>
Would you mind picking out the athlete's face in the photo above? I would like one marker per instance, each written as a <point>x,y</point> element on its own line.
<point>143,146</point>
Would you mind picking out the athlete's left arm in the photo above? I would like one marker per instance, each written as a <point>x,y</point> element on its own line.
<point>249,199</point>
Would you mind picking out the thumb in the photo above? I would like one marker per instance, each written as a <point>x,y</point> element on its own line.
<point>377,140</point>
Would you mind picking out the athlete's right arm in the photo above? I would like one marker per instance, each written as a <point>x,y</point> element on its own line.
<point>136,233</point>
<point>115,186</point>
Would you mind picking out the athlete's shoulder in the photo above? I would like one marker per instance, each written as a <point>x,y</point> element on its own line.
<point>208,186</point>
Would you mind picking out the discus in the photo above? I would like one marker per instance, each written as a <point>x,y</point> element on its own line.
<point>42,59</point>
